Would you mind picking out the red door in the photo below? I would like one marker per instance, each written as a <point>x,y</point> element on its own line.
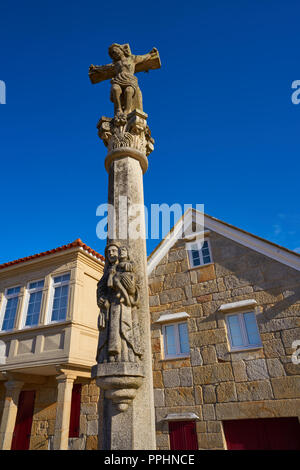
<point>262,434</point>
<point>75,411</point>
<point>21,435</point>
<point>183,435</point>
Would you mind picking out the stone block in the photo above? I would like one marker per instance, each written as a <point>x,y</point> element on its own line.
<point>171,378</point>
<point>206,273</point>
<point>177,255</point>
<point>198,395</point>
<point>208,412</point>
<point>204,288</point>
<point>221,285</point>
<point>38,443</point>
<point>223,352</point>
<point>159,397</point>
<point>247,355</point>
<point>156,285</point>
<point>201,426</point>
<point>94,390</point>
<point>91,443</point>
<point>193,277</point>
<point>239,371</point>
<point>45,413</point>
<point>157,379</point>
<point>268,297</point>
<point>206,337</point>
<point>194,310</point>
<point>162,440</point>
<point>186,377</point>
<point>210,308</point>
<point>210,441</point>
<point>154,300</point>
<point>275,367</point>
<point>180,396</point>
<point>273,348</point>
<point>196,358</point>
<point>289,336</point>
<point>226,392</point>
<point>209,355</point>
<point>173,281</point>
<point>286,387</point>
<point>212,374</point>
<point>209,394</point>
<point>257,369</point>
<point>242,291</point>
<point>254,409</point>
<point>242,279</point>
<point>291,369</point>
<point>257,390</point>
<point>168,268</point>
<point>276,324</point>
<point>89,408</point>
<point>77,443</point>
<point>92,427</point>
<point>214,426</point>
<point>205,324</point>
<point>156,345</point>
<point>172,295</point>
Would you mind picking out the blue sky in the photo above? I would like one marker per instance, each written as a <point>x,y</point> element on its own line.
<point>220,111</point>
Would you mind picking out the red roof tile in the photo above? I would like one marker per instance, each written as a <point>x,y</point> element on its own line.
<point>76,243</point>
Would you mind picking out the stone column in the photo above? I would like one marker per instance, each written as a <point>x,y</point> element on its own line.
<point>126,408</point>
<point>13,389</point>
<point>63,410</point>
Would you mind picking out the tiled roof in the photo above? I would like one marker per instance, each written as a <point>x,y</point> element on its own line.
<point>76,243</point>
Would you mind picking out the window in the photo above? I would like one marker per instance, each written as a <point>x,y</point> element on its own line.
<point>243,331</point>
<point>10,308</point>
<point>176,340</point>
<point>199,254</point>
<point>35,290</point>
<point>60,297</point>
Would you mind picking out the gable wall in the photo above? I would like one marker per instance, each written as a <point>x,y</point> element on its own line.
<point>214,383</point>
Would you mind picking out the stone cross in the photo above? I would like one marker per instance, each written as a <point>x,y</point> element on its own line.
<point>124,359</point>
<point>125,92</point>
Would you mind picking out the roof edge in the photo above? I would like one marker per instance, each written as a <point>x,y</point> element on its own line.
<point>78,243</point>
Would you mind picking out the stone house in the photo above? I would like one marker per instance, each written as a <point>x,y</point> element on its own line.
<point>225,310</point>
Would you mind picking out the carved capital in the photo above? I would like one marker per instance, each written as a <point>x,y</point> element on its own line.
<point>127,132</point>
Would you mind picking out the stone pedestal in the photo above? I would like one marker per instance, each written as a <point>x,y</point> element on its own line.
<point>13,389</point>
<point>126,408</point>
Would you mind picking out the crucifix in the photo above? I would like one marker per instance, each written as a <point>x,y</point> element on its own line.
<point>123,368</point>
<point>125,92</point>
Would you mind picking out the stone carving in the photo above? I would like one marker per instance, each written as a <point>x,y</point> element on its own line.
<point>125,92</point>
<point>117,298</point>
<point>131,132</point>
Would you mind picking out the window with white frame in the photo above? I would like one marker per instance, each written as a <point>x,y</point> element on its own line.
<point>9,308</point>
<point>199,253</point>
<point>34,302</point>
<point>59,298</point>
<point>243,331</point>
<point>176,340</point>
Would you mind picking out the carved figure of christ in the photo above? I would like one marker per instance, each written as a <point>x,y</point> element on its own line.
<point>125,92</point>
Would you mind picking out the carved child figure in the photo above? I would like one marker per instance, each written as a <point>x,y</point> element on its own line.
<point>124,280</point>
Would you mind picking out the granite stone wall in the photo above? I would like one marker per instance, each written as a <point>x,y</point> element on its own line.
<point>213,382</point>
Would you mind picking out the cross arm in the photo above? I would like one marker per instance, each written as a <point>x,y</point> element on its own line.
<point>146,62</point>
<point>99,73</point>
